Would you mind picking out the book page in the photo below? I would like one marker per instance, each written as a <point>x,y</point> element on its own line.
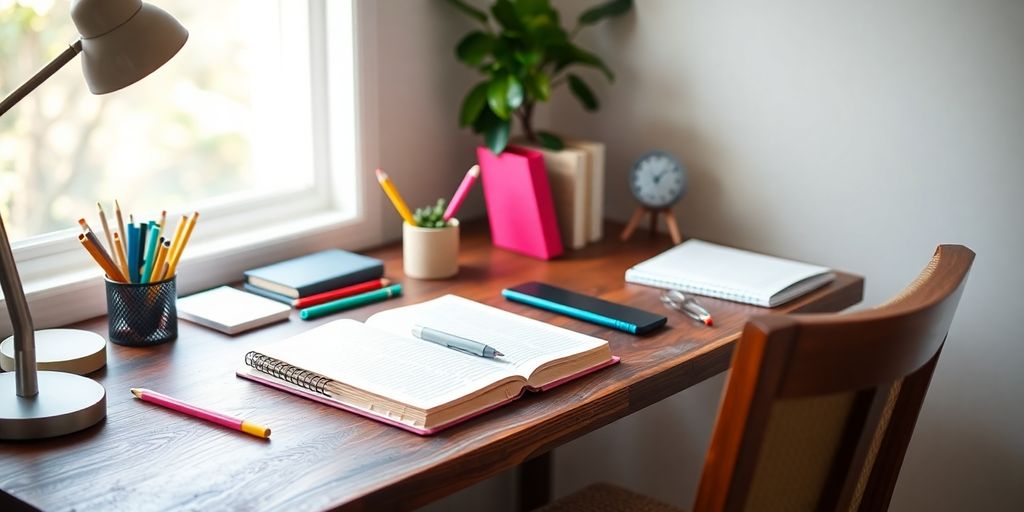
<point>526,343</point>
<point>404,369</point>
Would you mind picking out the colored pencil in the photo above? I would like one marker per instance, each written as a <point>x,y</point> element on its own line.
<point>395,197</point>
<point>172,264</point>
<point>106,228</point>
<point>122,260</point>
<point>109,268</point>
<point>340,293</point>
<point>159,264</point>
<point>350,302</point>
<point>461,192</point>
<point>133,252</point>
<point>174,404</point>
<point>163,220</point>
<point>153,240</point>
<point>120,226</point>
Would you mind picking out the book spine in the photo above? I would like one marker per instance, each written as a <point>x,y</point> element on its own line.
<point>268,294</point>
<point>292,374</point>
<point>366,274</point>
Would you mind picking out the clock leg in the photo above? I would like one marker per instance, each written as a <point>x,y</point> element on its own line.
<point>654,222</point>
<point>634,221</point>
<point>673,228</point>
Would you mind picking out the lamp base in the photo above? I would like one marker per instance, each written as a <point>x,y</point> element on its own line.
<point>61,350</point>
<point>66,403</point>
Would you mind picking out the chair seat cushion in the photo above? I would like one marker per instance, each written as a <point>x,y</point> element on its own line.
<point>602,497</point>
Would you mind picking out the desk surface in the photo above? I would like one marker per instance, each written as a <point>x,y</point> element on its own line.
<point>143,457</point>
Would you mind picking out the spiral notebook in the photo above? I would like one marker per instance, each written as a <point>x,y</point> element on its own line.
<point>704,268</point>
<point>379,370</point>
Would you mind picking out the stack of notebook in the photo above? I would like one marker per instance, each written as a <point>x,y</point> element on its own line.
<point>315,278</point>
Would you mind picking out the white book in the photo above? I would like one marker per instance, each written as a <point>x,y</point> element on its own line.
<point>569,180</point>
<point>230,310</point>
<point>595,186</point>
<point>704,268</point>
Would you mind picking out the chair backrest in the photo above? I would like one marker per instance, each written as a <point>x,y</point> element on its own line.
<point>818,409</point>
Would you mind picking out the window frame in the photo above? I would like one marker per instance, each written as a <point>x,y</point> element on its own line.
<point>63,286</point>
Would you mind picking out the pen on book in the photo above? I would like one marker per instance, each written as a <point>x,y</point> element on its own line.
<point>455,342</point>
<point>461,192</point>
<point>350,302</point>
<point>687,305</point>
<point>395,197</point>
<point>232,422</point>
<point>340,293</point>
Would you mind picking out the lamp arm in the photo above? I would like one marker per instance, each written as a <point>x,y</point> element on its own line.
<point>27,382</point>
<point>41,76</point>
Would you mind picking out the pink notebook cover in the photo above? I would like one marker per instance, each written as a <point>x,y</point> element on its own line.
<point>271,382</point>
<point>519,205</point>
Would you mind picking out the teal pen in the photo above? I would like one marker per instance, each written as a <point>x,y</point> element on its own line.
<point>152,239</point>
<point>350,302</point>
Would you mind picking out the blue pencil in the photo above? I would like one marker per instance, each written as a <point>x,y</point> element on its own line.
<point>151,242</point>
<point>133,252</point>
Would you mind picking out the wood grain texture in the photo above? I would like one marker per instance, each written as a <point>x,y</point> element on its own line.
<point>144,457</point>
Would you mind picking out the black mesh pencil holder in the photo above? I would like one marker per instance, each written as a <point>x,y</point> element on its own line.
<point>142,314</point>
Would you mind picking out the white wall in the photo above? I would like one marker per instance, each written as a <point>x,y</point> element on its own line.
<point>854,134</point>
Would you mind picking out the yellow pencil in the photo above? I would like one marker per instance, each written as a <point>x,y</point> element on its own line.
<point>158,265</point>
<point>396,199</point>
<point>119,250</point>
<point>112,271</point>
<point>120,229</point>
<point>179,231</point>
<point>172,265</point>
<point>106,227</point>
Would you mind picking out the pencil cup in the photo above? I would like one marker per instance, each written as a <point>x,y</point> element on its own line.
<point>430,253</point>
<point>142,314</point>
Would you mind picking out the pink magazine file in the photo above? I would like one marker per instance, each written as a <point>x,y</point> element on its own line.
<point>316,397</point>
<point>519,204</point>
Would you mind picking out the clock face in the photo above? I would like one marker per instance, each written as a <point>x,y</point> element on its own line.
<point>657,179</point>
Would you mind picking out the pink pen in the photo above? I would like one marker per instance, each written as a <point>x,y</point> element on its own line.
<point>462,192</point>
<point>198,412</point>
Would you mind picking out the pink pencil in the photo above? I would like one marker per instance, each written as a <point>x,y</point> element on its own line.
<point>462,192</point>
<point>221,419</point>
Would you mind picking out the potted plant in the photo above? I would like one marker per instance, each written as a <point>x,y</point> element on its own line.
<point>525,54</point>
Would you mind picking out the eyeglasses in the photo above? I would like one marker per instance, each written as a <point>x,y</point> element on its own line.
<point>677,300</point>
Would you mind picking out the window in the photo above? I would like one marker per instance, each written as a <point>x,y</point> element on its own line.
<point>251,123</point>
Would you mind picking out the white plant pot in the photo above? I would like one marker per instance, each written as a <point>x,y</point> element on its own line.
<point>430,253</point>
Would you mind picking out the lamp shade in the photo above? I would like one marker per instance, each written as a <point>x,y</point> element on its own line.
<point>123,41</point>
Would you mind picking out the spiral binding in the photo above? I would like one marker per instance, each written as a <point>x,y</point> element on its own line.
<point>288,373</point>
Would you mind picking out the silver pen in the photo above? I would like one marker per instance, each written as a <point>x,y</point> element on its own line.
<point>454,342</point>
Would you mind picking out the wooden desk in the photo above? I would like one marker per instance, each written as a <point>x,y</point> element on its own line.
<point>144,457</point>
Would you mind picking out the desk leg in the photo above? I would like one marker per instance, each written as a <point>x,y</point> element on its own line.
<point>535,482</point>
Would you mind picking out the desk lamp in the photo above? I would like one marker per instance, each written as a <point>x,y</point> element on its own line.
<point>121,42</point>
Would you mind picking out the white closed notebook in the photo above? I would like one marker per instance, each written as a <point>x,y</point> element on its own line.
<point>230,310</point>
<point>704,268</point>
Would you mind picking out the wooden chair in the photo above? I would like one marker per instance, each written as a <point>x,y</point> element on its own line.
<point>819,409</point>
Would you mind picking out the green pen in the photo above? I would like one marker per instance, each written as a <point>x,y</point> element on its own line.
<point>350,302</point>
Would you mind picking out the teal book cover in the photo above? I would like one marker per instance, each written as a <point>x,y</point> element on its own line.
<point>315,273</point>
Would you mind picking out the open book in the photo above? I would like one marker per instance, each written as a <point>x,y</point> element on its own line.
<point>696,266</point>
<point>379,370</point>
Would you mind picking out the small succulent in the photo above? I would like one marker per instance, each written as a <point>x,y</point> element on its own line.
<point>431,216</point>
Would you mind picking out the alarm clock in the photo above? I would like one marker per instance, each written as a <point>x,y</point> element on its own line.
<point>657,180</point>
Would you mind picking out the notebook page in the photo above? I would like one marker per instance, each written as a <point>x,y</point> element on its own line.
<point>526,343</point>
<point>404,369</point>
<point>700,264</point>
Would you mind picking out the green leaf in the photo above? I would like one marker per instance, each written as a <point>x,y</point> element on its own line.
<point>582,91</point>
<point>538,85</point>
<point>606,10</point>
<point>497,96</point>
<point>469,10</point>
<point>529,58</point>
<point>528,8</point>
<point>550,141</point>
<point>568,54</point>
<point>473,104</point>
<point>496,137</point>
<point>485,121</point>
<point>473,48</point>
<point>505,13</point>
<point>514,93</point>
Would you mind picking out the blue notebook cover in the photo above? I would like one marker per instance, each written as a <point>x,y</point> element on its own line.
<point>315,273</point>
